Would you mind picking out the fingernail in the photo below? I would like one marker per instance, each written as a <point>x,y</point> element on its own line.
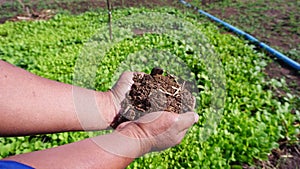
<point>196,117</point>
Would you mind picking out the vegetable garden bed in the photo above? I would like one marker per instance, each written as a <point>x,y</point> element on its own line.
<point>251,122</point>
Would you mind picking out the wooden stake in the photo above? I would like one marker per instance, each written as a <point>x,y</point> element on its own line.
<point>109,19</point>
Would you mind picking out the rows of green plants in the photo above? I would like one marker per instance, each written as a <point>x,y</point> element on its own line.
<point>250,122</point>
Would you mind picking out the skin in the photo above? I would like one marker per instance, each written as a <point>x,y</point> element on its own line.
<point>92,153</point>
<point>44,106</point>
<point>82,154</point>
<point>30,104</point>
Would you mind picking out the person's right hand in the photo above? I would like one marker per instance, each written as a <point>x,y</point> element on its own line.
<point>157,131</point>
<point>152,132</point>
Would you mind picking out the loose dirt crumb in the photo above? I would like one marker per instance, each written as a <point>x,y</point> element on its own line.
<point>152,93</point>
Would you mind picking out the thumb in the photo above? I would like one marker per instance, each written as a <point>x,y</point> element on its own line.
<point>186,120</point>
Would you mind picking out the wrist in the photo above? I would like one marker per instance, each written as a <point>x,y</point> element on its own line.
<point>132,132</point>
<point>123,142</point>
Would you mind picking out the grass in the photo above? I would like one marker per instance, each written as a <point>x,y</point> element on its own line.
<point>273,22</point>
<point>13,6</point>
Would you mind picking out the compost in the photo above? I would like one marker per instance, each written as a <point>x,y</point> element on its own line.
<point>154,92</point>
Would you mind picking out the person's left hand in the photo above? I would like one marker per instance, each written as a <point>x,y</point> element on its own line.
<point>121,87</point>
<point>119,90</point>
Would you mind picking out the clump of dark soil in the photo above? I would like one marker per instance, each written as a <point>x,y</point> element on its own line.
<point>154,92</point>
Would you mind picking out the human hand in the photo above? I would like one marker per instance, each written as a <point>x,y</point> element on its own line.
<point>152,132</point>
<point>118,93</point>
<point>121,87</point>
<point>156,131</point>
<point>119,90</point>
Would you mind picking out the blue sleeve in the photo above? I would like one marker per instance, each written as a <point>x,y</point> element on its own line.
<point>12,165</point>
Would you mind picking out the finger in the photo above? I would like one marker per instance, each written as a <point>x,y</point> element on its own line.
<point>186,120</point>
<point>123,125</point>
<point>126,78</point>
<point>181,135</point>
<point>129,74</point>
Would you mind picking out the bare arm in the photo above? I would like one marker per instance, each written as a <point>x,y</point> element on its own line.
<point>153,132</point>
<point>80,155</point>
<point>30,104</point>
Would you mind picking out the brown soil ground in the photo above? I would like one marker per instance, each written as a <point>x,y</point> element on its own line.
<point>287,156</point>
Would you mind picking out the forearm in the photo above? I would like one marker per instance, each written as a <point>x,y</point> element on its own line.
<point>30,104</point>
<point>88,153</point>
<point>153,132</point>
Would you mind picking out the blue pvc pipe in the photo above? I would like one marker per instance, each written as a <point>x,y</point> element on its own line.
<point>252,39</point>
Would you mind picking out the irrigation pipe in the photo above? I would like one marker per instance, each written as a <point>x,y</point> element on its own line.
<point>249,37</point>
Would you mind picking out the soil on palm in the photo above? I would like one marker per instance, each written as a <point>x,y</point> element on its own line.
<point>152,93</point>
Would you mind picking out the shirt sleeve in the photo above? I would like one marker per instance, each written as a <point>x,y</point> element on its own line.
<point>13,165</point>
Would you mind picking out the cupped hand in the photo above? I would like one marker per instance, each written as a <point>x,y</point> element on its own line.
<point>121,87</point>
<point>118,92</point>
<point>158,130</point>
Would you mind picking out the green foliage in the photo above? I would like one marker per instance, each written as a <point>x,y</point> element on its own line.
<point>251,121</point>
<point>260,19</point>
